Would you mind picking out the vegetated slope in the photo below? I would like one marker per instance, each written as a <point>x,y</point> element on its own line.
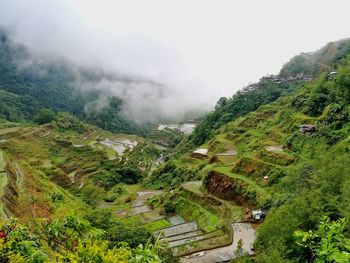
<point>314,63</point>
<point>29,83</point>
<point>263,160</point>
<point>65,182</point>
<point>67,154</point>
<point>301,68</point>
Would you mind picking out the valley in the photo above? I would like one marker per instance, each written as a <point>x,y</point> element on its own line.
<point>71,161</point>
<point>261,178</point>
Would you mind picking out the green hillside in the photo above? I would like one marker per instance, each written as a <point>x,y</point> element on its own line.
<point>298,70</point>
<point>261,159</point>
<point>70,177</point>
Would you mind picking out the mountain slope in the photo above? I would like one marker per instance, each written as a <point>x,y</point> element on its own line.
<point>301,68</point>
<point>263,160</point>
<point>29,83</point>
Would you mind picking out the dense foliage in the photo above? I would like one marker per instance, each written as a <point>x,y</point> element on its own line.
<point>72,239</point>
<point>113,176</point>
<point>44,116</point>
<point>171,175</point>
<point>240,104</point>
<point>327,243</point>
<point>316,62</point>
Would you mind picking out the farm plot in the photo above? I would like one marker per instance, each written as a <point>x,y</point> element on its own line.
<point>151,216</point>
<point>196,236</point>
<point>182,236</point>
<point>139,204</point>
<point>177,230</point>
<point>176,220</point>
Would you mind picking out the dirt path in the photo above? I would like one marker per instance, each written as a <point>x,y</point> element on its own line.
<point>242,231</point>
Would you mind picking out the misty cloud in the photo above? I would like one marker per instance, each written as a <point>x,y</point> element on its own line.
<point>177,56</point>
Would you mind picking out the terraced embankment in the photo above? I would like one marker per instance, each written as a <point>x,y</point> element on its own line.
<point>203,223</point>
<point>178,231</point>
<point>3,183</point>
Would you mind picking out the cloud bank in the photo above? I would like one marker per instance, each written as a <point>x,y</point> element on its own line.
<point>187,53</point>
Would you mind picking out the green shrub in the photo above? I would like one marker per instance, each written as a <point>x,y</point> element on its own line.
<point>44,116</point>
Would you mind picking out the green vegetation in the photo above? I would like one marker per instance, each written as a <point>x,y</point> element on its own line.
<point>156,225</point>
<point>170,175</point>
<point>240,104</point>
<point>72,239</point>
<point>317,62</point>
<point>44,116</point>
<point>327,243</point>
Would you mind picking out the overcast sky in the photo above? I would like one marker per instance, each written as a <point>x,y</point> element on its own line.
<point>200,49</point>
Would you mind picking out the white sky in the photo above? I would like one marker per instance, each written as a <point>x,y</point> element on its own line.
<point>202,49</point>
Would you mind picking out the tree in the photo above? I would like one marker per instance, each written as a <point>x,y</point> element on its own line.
<point>133,236</point>
<point>169,207</point>
<point>327,243</point>
<point>239,250</point>
<point>44,116</point>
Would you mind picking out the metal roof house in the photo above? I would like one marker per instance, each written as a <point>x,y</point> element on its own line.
<point>258,214</point>
<point>200,153</point>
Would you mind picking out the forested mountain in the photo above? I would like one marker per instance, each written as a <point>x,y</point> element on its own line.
<point>299,69</point>
<point>314,63</point>
<point>29,83</point>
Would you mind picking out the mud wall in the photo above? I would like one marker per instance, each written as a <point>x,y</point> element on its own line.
<point>11,194</point>
<point>229,189</point>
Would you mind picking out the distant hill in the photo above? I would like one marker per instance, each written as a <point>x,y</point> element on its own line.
<point>28,84</point>
<point>314,63</point>
<point>298,70</point>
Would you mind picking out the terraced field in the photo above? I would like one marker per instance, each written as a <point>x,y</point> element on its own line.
<point>181,235</point>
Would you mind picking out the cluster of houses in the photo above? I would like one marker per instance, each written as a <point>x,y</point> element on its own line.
<point>276,79</point>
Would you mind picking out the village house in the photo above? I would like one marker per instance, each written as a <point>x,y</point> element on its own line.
<point>258,214</point>
<point>307,128</point>
<point>200,154</point>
